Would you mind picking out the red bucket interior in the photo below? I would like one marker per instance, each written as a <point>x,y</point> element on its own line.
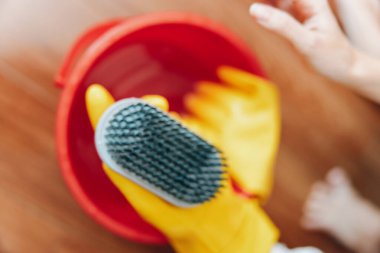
<point>165,59</point>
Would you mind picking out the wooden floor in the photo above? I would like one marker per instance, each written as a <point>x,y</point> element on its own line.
<point>324,124</point>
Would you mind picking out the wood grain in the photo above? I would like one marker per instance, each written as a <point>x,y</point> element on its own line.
<point>324,124</point>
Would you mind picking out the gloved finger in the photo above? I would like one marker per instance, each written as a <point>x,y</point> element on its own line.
<point>244,81</point>
<point>162,103</point>
<point>283,24</point>
<point>218,94</point>
<point>203,109</point>
<point>98,99</point>
<point>157,101</point>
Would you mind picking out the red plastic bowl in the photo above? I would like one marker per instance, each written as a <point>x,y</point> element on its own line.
<point>163,53</point>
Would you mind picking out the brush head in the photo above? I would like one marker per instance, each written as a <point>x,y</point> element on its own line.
<point>152,149</point>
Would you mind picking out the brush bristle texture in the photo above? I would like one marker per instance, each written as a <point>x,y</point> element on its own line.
<point>164,155</point>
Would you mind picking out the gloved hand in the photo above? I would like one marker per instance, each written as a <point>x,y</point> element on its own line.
<point>228,223</point>
<point>241,117</point>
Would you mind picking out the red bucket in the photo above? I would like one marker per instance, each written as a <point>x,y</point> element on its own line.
<point>164,54</point>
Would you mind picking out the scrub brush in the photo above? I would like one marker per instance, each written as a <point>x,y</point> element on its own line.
<point>226,223</point>
<point>157,152</point>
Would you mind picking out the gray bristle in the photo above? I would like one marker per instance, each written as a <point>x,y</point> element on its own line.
<point>162,154</point>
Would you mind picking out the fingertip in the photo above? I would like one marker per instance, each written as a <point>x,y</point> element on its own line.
<point>227,73</point>
<point>259,11</point>
<point>241,79</point>
<point>96,91</point>
<point>282,23</point>
<point>97,99</point>
<point>224,69</point>
<point>201,85</point>
<point>158,101</point>
<point>208,88</point>
<point>337,176</point>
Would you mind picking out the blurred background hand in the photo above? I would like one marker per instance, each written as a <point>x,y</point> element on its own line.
<point>312,28</point>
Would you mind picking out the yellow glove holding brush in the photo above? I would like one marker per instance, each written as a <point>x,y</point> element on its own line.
<point>216,220</point>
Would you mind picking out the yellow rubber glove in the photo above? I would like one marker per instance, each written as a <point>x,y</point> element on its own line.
<point>226,224</point>
<point>242,114</point>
